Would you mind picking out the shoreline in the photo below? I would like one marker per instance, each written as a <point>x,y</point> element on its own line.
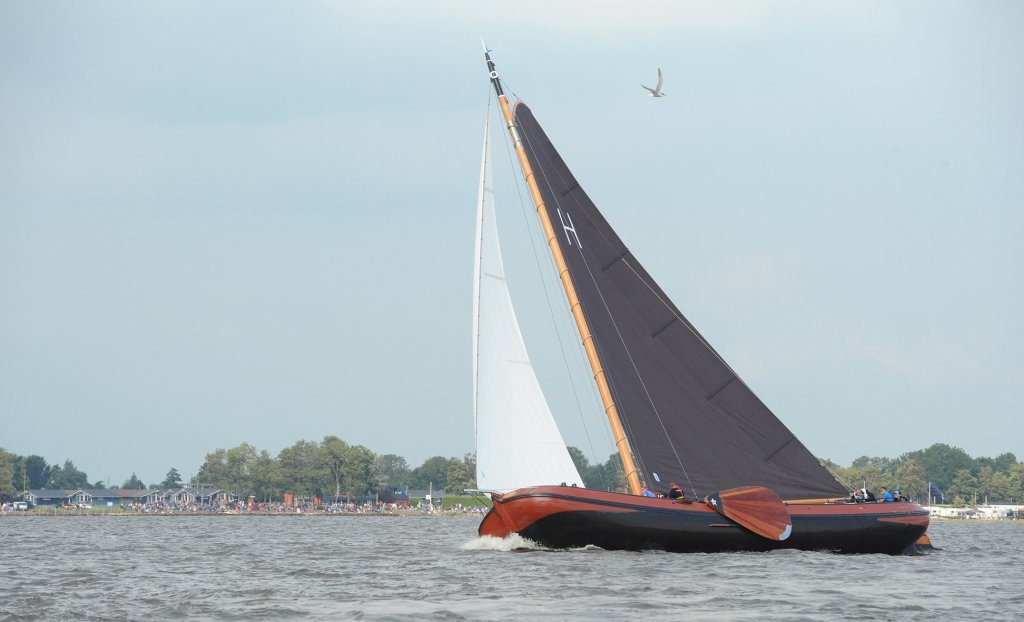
<point>27,515</point>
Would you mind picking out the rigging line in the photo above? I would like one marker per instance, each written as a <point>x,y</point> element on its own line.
<point>622,340</point>
<point>551,312</point>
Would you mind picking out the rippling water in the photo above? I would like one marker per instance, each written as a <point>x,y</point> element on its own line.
<point>404,568</point>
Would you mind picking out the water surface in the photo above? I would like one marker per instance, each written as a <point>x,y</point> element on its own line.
<point>412,568</point>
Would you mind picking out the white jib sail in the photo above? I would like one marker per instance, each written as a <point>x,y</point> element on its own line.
<point>517,441</point>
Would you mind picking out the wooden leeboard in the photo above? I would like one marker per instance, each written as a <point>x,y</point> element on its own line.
<point>755,508</point>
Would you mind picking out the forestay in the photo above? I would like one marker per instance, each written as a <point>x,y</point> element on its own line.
<point>517,441</point>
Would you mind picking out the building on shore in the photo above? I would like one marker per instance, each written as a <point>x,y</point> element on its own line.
<point>81,497</point>
<point>994,511</point>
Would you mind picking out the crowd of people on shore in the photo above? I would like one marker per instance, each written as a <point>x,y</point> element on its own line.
<point>274,507</point>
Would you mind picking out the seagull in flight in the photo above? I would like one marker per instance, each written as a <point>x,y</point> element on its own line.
<point>656,91</point>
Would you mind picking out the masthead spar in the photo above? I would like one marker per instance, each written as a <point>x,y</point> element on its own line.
<point>495,80</point>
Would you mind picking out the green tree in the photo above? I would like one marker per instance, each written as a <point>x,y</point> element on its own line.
<point>470,461</point>
<point>1004,462</point>
<point>19,475</point>
<point>68,476</point>
<point>265,477</point>
<point>133,483</point>
<point>336,455</point>
<point>7,490</point>
<point>942,463</point>
<point>239,463</point>
<point>394,470</point>
<point>361,475</point>
<point>1015,483</point>
<point>607,476</point>
<point>434,470</point>
<point>302,469</point>
<point>231,469</point>
<point>37,471</point>
<point>910,479</point>
<point>875,463</point>
<point>461,474</point>
<point>964,486</point>
<point>214,469</point>
<point>580,461</point>
<point>173,480</point>
<point>99,485</point>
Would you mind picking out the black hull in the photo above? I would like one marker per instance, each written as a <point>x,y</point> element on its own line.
<point>638,532</point>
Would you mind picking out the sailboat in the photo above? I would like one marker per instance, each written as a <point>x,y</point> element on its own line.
<point>678,412</point>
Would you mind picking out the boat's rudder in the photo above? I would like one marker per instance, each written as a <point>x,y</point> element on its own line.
<point>921,546</point>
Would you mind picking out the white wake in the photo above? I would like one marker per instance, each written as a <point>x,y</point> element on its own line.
<point>511,542</point>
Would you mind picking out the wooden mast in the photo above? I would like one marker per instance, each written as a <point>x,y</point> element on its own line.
<point>621,442</point>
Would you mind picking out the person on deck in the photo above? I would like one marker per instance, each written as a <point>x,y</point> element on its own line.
<point>675,491</point>
<point>886,495</point>
<point>647,492</point>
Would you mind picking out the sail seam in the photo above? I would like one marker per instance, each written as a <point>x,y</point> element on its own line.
<point>664,326</point>
<point>611,263</point>
<point>791,438</point>
<point>720,388</point>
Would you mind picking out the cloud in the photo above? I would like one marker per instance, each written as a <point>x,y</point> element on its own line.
<point>749,277</point>
<point>614,18</point>
<point>929,363</point>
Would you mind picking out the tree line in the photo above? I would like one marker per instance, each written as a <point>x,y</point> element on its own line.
<point>32,472</point>
<point>954,474</point>
<point>332,468</point>
<point>328,469</point>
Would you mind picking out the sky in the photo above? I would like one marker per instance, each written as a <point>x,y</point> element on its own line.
<point>253,221</point>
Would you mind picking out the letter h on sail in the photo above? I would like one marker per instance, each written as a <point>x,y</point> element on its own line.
<point>569,227</point>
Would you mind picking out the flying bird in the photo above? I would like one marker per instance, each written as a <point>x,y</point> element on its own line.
<point>656,91</point>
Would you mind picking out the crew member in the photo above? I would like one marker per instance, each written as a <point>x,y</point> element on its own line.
<point>675,491</point>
